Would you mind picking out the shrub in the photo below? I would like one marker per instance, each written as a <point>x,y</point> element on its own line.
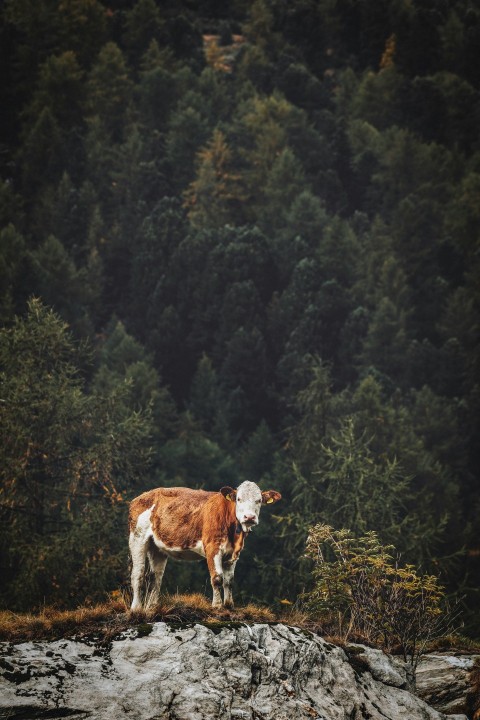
<point>360,587</point>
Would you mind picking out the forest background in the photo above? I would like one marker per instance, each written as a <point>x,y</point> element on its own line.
<point>239,240</point>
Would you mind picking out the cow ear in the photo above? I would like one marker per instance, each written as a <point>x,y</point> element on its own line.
<point>229,493</point>
<point>270,496</point>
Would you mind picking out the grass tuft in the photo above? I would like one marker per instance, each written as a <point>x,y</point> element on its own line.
<point>51,622</point>
<point>107,620</point>
<point>113,617</point>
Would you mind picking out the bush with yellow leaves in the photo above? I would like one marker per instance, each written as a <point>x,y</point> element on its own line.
<point>361,590</point>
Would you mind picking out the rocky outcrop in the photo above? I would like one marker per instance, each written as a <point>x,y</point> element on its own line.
<point>451,683</point>
<point>258,672</point>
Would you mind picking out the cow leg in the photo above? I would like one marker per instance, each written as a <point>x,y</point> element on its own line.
<point>138,551</point>
<point>215,567</point>
<point>228,573</point>
<point>157,561</point>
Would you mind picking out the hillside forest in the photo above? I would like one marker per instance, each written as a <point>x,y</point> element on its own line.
<point>240,240</point>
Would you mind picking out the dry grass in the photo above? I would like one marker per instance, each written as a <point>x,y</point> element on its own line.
<point>54,623</point>
<point>454,643</point>
<point>113,617</point>
<point>107,620</point>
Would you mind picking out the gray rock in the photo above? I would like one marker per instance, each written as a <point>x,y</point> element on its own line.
<point>444,681</point>
<point>382,667</point>
<point>258,672</point>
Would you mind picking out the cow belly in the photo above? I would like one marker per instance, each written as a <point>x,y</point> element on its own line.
<point>183,554</point>
<point>178,553</point>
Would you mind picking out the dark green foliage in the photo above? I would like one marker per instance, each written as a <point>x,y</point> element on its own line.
<point>109,90</point>
<point>143,24</point>
<point>43,153</point>
<point>271,244</point>
<point>69,459</point>
<point>14,267</point>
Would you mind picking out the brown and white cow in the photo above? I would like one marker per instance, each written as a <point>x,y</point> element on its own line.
<point>187,524</point>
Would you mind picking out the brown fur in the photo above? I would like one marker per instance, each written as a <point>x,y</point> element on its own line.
<point>181,517</point>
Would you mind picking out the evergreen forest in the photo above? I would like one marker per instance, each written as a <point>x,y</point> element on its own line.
<point>239,240</point>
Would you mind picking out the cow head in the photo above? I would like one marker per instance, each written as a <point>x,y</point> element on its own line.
<point>248,499</point>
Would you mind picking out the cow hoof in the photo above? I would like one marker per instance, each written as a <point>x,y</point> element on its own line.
<point>229,605</point>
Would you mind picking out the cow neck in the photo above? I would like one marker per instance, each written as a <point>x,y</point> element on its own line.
<point>238,527</point>
<point>235,533</point>
<point>238,538</point>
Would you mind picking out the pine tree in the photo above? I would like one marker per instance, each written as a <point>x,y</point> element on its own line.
<point>205,402</point>
<point>286,181</point>
<point>143,25</point>
<point>188,132</point>
<point>216,195</point>
<point>60,89</point>
<point>14,268</point>
<point>68,461</point>
<point>109,91</point>
<point>72,291</point>
<point>43,154</point>
<point>361,489</point>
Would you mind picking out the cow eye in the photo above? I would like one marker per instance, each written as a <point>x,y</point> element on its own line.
<point>238,500</point>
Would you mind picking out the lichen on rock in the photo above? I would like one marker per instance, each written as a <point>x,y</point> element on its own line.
<point>194,673</point>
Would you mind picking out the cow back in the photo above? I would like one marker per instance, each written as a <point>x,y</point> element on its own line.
<point>178,515</point>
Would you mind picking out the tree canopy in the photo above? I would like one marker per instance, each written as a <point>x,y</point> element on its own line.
<point>239,240</point>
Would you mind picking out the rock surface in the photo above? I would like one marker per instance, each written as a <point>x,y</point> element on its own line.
<point>448,683</point>
<point>258,672</point>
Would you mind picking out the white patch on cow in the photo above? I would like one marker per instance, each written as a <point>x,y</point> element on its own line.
<point>218,565</point>
<point>217,598</point>
<point>225,571</point>
<point>217,561</point>
<point>179,553</point>
<point>138,550</point>
<point>228,573</point>
<point>198,548</point>
<point>225,547</point>
<point>143,527</point>
<point>248,504</point>
<point>157,563</point>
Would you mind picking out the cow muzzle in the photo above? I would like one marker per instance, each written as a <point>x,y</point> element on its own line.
<point>248,523</point>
